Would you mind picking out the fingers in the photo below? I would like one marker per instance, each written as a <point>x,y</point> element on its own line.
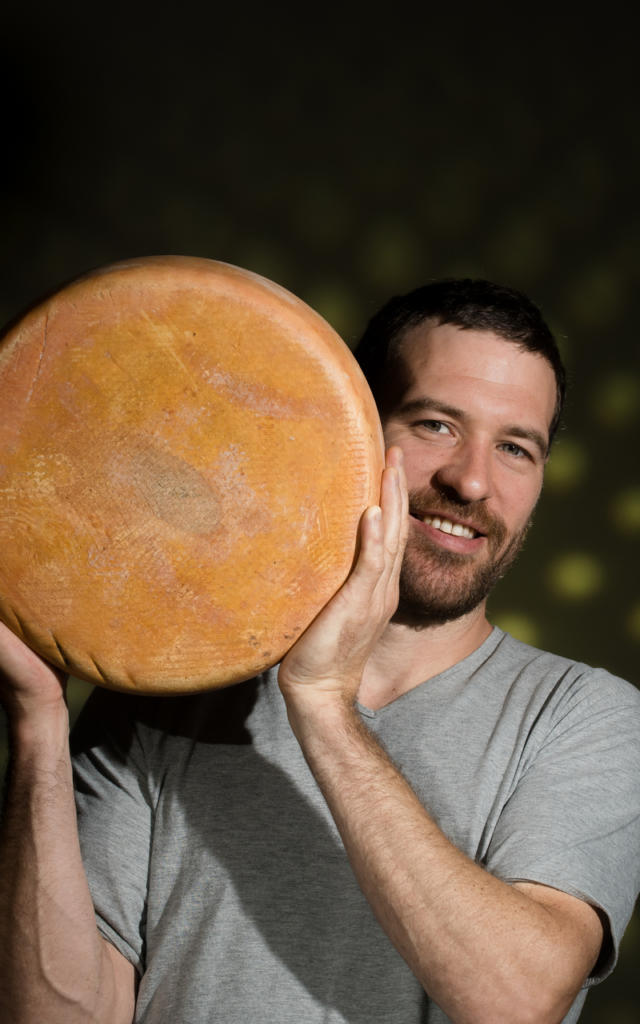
<point>22,670</point>
<point>13,651</point>
<point>337,645</point>
<point>395,504</point>
<point>383,536</point>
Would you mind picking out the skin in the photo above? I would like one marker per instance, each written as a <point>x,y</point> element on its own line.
<point>46,914</point>
<point>475,468</point>
<point>482,949</point>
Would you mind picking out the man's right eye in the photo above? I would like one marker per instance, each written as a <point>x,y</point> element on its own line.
<point>436,426</point>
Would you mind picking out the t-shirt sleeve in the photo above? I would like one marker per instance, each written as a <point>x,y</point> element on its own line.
<point>114,807</point>
<point>573,820</point>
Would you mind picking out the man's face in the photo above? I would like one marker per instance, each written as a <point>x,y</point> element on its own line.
<point>471,413</point>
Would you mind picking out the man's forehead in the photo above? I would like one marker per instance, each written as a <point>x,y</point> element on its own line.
<point>468,349</point>
<point>442,359</point>
<point>450,350</point>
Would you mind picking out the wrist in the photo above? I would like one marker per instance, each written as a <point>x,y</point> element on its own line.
<point>321,715</point>
<point>326,698</point>
<point>38,734</point>
<point>23,705</point>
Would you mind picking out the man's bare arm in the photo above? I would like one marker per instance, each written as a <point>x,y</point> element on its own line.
<point>483,950</point>
<point>54,965</point>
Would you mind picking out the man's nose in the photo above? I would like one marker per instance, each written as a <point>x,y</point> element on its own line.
<point>467,472</point>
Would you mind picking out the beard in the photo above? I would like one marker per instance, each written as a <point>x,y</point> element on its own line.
<point>438,586</point>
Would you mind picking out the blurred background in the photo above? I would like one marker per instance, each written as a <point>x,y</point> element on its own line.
<point>350,156</point>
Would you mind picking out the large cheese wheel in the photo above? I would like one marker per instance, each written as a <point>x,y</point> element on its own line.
<point>185,453</point>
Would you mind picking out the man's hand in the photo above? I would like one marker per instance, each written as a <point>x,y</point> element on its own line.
<point>329,658</point>
<point>27,683</point>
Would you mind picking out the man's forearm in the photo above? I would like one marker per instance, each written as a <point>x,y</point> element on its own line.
<point>483,950</point>
<point>54,966</point>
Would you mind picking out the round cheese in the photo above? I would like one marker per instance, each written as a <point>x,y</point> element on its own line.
<point>186,450</point>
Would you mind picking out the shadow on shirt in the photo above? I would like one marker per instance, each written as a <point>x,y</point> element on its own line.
<point>256,833</point>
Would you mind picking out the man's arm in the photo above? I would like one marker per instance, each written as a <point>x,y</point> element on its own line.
<point>484,950</point>
<point>54,965</point>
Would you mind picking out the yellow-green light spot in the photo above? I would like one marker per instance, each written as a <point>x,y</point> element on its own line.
<point>617,400</point>
<point>567,465</point>
<point>519,625</point>
<point>625,510</point>
<point>576,576</point>
<point>633,623</point>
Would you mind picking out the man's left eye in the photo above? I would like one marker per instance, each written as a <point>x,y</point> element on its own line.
<point>511,448</point>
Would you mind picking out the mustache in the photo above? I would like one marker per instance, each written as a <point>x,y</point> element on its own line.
<point>422,503</point>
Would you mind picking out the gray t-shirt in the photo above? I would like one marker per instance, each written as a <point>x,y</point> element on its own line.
<point>216,868</point>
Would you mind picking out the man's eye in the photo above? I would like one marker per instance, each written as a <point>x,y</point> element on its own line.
<point>511,448</point>
<point>435,426</point>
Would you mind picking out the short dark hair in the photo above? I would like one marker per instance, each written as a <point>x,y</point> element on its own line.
<point>466,303</point>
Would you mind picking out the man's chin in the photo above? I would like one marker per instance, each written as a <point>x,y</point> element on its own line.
<point>420,611</point>
<point>450,588</point>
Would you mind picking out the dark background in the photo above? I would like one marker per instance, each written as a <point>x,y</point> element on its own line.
<point>348,156</point>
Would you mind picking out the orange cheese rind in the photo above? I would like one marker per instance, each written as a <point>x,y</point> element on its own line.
<point>186,450</point>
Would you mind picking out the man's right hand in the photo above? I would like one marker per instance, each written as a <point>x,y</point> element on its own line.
<point>28,684</point>
<point>54,964</point>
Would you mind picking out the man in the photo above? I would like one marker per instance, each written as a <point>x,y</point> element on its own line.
<point>256,854</point>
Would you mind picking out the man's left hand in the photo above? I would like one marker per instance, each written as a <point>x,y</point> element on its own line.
<point>328,660</point>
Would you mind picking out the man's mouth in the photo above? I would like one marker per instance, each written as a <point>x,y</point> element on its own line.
<point>449,526</point>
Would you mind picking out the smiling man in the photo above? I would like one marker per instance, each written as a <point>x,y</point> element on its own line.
<point>414,818</point>
<point>479,436</point>
<point>473,400</point>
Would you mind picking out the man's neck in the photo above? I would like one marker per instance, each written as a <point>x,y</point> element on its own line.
<point>405,656</point>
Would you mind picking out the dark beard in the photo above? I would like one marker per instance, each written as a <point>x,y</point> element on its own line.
<point>446,587</point>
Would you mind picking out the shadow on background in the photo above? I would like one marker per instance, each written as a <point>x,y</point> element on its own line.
<point>349,160</point>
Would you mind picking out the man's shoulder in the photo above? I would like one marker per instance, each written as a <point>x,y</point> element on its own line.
<point>563,673</point>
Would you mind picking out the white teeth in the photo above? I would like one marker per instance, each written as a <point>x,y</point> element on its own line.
<point>446,526</point>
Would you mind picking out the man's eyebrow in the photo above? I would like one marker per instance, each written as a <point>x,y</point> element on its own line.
<point>428,404</point>
<point>540,441</point>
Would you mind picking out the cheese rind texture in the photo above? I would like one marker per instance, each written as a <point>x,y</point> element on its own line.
<point>186,450</point>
